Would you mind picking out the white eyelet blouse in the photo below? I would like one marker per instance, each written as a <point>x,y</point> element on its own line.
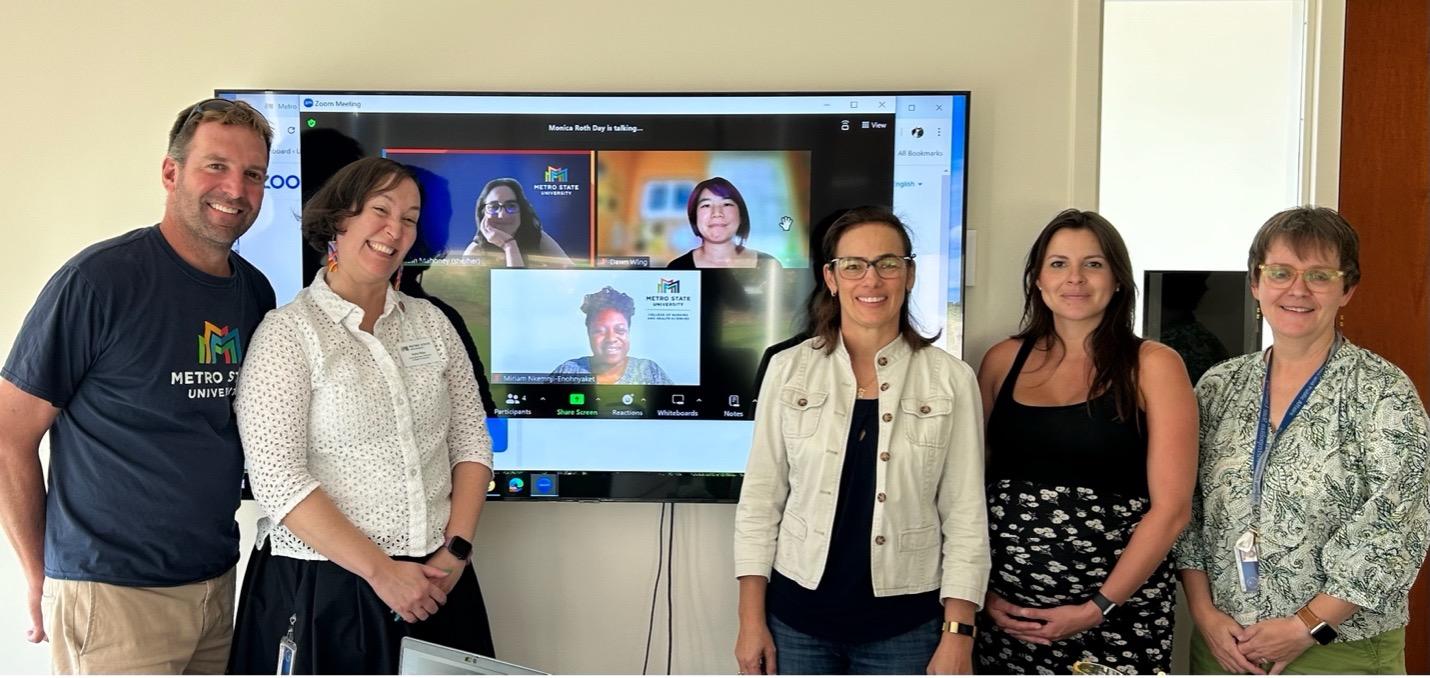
<point>377,420</point>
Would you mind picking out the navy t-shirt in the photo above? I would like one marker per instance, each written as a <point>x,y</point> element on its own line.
<point>140,351</point>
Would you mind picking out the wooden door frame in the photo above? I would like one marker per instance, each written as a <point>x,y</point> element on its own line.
<point>1385,195</point>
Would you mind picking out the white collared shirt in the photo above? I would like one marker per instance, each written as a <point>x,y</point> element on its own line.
<point>377,420</point>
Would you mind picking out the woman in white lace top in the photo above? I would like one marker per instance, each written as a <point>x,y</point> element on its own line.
<point>367,449</point>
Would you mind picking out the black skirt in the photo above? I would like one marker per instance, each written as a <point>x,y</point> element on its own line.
<point>341,626</point>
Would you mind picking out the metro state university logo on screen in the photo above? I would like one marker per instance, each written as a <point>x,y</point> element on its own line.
<point>556,181</point>
<point>668,286</point>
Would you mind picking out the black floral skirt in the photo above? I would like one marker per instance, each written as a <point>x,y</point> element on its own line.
<point>1055,545</point>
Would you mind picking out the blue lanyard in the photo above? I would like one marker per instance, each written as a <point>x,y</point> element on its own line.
<point>1262,452</point>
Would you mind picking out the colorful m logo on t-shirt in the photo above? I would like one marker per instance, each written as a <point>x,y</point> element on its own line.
<point>219,344</point>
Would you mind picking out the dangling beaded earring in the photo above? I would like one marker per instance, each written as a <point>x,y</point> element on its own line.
<point>1341,322</point>
<point>332,255</point>
<point>1258,313</point>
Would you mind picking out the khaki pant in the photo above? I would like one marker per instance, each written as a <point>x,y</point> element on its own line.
<point>103,628</point>
<point>1383,654</point>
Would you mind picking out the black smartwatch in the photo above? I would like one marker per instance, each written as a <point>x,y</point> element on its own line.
<point>459,547</point>
<point>1103,604</point>
<point>1321,631</point>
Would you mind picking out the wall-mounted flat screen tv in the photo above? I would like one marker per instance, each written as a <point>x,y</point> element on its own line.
<point>537,205</point>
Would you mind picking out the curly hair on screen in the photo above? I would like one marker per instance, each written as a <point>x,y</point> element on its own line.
<point>608,297</point>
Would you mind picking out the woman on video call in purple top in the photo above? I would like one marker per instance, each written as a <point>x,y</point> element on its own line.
<point>719,217</point>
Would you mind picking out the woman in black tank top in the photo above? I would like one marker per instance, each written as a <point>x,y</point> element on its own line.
<point>1092,456</point>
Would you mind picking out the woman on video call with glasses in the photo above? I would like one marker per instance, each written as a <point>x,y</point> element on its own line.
<point>509,229</point>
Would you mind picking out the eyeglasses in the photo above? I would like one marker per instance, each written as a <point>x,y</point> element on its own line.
<point>205,106</point>
<point>494,208</point>
<point>855,268</point>
<point>1317,278</point>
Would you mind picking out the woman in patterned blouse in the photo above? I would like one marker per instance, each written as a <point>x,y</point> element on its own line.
<point>1311,513</point>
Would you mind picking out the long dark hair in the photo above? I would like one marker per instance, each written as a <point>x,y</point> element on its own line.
<point>823,311</point>
<point>1113,346</point>
<point>528,231</point>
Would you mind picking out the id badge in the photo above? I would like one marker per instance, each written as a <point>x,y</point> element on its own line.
<point>287,650</point>
<point>418,352</point>
<point>1248,561</point>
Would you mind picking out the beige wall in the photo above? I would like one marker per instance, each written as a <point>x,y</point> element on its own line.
<point>91,86</point>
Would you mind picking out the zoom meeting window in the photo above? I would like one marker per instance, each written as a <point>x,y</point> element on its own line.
<point>580,241</point>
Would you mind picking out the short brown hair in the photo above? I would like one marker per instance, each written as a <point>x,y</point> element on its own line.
<point>824,311</point>
<point>1308,229</point>
<point>223,111</point>
<point>344,195</point>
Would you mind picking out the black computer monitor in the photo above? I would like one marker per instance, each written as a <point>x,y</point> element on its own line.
<point>1205,316</point>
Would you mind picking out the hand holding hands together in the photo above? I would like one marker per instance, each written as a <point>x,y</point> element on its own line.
<point>1041,626</point>
<point>413,590</point>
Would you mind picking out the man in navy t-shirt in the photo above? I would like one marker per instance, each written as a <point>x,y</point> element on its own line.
<point>128,360</point>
